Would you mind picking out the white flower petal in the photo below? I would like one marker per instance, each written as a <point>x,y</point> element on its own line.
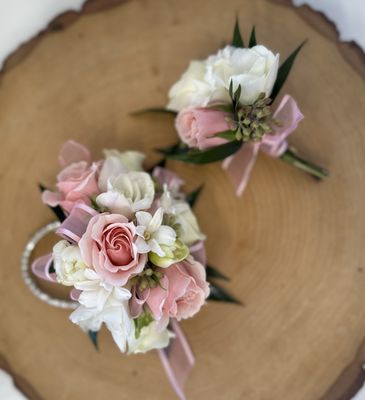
<point>143,218</point>
<point>142,246</point>
<point>111,168</point>
<point>156,221</point>
<point>151,337</point>
<point>140,230</point>
<point>115,202</point>
<point>155,248</point>
<point>165,235</point>
<point>121,293</point>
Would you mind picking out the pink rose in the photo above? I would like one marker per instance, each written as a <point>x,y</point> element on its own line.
<point>78,180</point>
<point>196,127</point>
<point>108,247</point>
<point>182,292</point>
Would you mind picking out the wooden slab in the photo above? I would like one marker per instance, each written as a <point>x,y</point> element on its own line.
<point>293,247</point>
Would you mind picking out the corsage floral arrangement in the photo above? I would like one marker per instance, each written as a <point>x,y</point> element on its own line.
<point>131,251</point>
<point>225,109</point>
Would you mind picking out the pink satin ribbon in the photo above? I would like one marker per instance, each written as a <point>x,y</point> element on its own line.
<point>74,226</point>
<point>239,166</point>
<point>177,359</point>
<point>40,268</point>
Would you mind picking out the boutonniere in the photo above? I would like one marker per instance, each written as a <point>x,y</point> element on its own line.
<point>226,107</point>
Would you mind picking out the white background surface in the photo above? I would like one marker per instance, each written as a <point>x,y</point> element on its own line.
<point>7,389</point>
<point>348,16</point>
<point>20,20</point>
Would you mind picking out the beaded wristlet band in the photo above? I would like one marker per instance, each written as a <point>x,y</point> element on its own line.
<point>28,277</point>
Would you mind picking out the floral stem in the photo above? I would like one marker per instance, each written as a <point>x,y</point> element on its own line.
<point>292,158</point>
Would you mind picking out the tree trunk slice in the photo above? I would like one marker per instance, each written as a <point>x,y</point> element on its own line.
<point>292,246</point>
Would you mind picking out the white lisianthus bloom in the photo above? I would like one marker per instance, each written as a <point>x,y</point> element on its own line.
<point>191,90</point>
<point>117,163</point>
<point>152,234</point>
<point>189,232</point>
<point>255,69</point>
<point>68,264</point>
<point>151,337</point>
<point>101,303</point>
<point>128,193</point>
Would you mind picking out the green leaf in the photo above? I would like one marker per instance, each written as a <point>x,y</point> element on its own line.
<point>217,293</point>
<point>229,135</point>
<point>252,41</point>
<point>56,210</point>
<point>284,70</point>
<point>214,273</point>
<point>237,38</point>
<point>231,89</point>
<point>192,197</point>
<point>237,94</point>
<point>93,335</point>
<point>207,156</point>
<point>177,148</point>
<point>221,107</point>
<point>154,110</point>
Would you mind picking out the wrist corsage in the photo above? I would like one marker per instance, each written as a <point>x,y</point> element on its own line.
<point>131,252</point>
<point>225,108</point>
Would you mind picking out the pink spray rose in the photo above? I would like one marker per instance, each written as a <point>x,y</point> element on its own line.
<point>77,181</point>
<point>196,127</point>
<point>182,292</point>
<point>108,247</point>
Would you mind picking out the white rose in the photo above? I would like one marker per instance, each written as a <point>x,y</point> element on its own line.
<point>128,193</point>
<point>189,229</point>
<point>191,89</point>
<point>101,303</point>
<point>117,162</point>
<point>68,263</point>
<point>255,69</point>
<point>151,337</point>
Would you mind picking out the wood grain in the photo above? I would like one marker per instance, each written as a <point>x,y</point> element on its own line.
<point>293,247</point>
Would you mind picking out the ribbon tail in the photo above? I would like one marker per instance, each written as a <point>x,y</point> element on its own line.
<point>178,360</point>
<point>40,268</point>
<point>239,166</point>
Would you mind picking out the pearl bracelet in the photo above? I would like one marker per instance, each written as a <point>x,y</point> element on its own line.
<point>28,276</point>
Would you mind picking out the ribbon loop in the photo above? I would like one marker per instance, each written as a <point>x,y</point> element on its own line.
<point>74,226</point>
<point>40,268</point>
